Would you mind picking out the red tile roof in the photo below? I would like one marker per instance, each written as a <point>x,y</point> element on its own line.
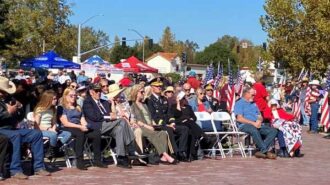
<point>168,56</point>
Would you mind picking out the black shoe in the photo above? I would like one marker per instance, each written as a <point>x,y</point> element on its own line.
<point>298,154</point>
<point>183,157</point>
<point>100,164</point>
<point>123,163</point>
<point>81,165</point>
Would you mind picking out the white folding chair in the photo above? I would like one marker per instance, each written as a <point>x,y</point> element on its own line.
<point>205,116</point>
<point>226,119</point>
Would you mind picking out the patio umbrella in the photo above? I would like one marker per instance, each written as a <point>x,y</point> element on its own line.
<point>49,60</point>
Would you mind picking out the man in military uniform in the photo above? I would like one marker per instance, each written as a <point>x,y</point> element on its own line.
<point>214,103</point>
<point>163,119</point>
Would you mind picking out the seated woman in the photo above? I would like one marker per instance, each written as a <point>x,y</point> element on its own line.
<point>290,142</point>
<point>185,116</point>
<point>45,120</point>
<point>73,121</point>
<point>202,104</point>
<point>143,126</point>
<point>133,115</point>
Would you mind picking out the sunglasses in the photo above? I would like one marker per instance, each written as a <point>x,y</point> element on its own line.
<point>169,92</point>
<point>187,90</point>
<point>104,86</point>
<point>73,86</point>
<point>72,95</point>
<point>142,92</point>
<point>201,93</point>
<point>97,90</point>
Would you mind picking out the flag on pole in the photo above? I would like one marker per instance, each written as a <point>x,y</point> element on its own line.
<point>218,77</point>
<point>296,110</point>
<point>209,74</point>
<point>325,110</point>
<point>307,105</point>
<point>239,83</point>
<point>230,90</point>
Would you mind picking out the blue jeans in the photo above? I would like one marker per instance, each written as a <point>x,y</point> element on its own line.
<point>314,116</point>
<point>64,136</point>
<point>256,133</point>
<point>305,117</point>
<point>281,141</point>
<point>17,137</point>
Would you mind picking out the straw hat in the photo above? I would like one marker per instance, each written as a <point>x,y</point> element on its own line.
<point>114,90</point>
<point>169,88</point>
<point>7,86</point>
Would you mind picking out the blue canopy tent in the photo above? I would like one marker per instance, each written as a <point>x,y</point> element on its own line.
<point>95,60</point>
<point>49,60</point>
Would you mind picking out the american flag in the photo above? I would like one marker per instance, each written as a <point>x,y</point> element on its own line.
<point>325,111</point>
<point>230,90</point>
<point>239,83</point>
<point>307,105</point>
<point>296,110</point>
<point>216,93</point>
<point>209,74</point>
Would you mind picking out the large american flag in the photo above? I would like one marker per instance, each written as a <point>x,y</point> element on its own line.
<point>325,111</point>
<point>209,74</point>
<point>230,90</point>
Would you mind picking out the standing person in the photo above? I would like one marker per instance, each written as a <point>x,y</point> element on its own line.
<point>72,119</point>
<point>261,97</point>
<point>192,80</point>
<point>20,75</point>
<point>63,77</point>
<point>250,120</point>
<point>125,81</point>
<point>314,100</point>
<point>45,120</point>
<point>302,96</point>
<point>73,76</point>
<point>3,152</point>
<point>163,117</point>
<point>9,109</point>
<point>82,78</point>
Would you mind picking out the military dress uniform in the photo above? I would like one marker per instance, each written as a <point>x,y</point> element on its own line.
<point>163,116</point>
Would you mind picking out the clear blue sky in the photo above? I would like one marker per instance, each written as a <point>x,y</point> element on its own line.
<point>202,21</point>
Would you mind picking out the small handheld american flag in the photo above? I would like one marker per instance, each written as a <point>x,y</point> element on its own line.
<point>230,90</point>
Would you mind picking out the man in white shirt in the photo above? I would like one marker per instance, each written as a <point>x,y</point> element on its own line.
<point>63,77</point>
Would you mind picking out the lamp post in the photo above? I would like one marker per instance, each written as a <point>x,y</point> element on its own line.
<point>142,41</point>
<point>79,35</point>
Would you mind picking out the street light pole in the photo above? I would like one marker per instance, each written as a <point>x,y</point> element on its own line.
<point>79,35</point>
<point>142,42</point>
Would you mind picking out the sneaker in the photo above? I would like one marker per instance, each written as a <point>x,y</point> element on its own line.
<point>42,173</point>
<point>260,155</point>
<point>19,176</point>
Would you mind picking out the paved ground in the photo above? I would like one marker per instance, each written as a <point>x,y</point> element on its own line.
<point>313,168</point>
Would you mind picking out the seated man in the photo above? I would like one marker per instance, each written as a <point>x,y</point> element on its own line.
<point>3,151</point>
<point>99,114</point>
<point>8,121</point>
<point>250,120</point>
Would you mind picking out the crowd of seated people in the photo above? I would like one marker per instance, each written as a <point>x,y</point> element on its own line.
<point>136,116</point>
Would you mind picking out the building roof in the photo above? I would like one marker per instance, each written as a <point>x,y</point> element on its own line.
<point>168,56</point>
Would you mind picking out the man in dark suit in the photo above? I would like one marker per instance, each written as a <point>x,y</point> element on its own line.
<point>214,103</point>
<point>98,115</point>
<point>163,118</point>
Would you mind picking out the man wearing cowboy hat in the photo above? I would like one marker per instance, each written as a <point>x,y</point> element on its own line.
<point>8,121</point>
<point>313,100</point>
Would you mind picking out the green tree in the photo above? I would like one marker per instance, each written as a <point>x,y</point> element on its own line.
<point>298,32</point>
<point>167,41</point>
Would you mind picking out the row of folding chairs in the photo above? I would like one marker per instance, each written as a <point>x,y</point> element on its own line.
<point>232,134</point>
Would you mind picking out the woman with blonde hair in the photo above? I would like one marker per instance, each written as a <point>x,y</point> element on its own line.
<point>45,120</point>
<point>71,117</point>
<point>144,126</point>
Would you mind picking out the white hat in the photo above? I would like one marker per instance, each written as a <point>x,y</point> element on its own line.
<point>250,79</point>
<point>7,86</point>
<point>314,82</point>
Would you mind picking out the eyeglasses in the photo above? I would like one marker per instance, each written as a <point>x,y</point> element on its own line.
<point>158,86</point>
<point>104,86</point>
<point>73,86</point>
<point>142,92</point>
<point>97,90</point>
<point>187,90</point>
